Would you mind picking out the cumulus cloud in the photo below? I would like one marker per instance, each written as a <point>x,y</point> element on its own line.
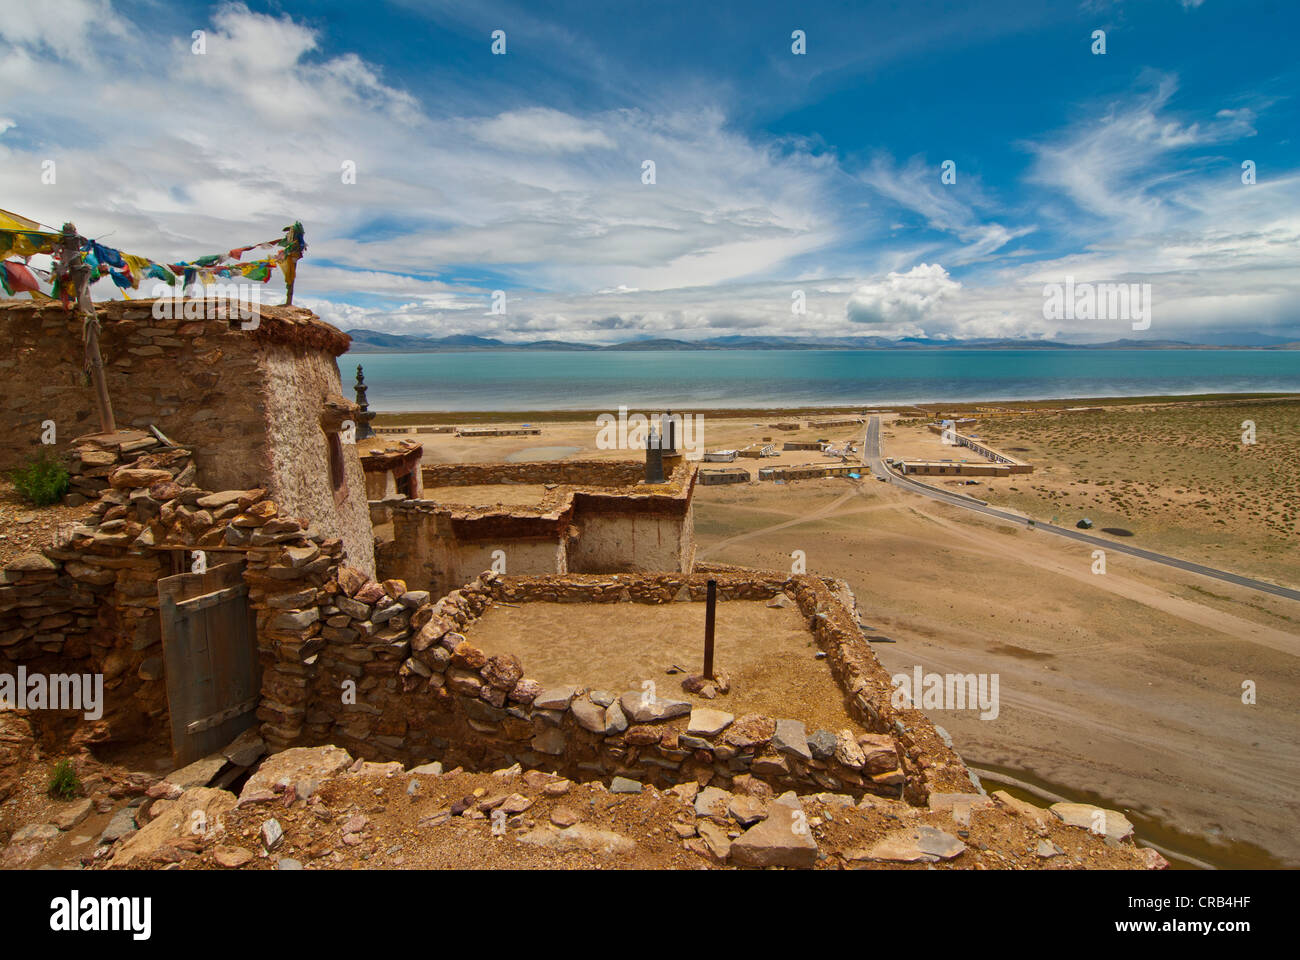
<point>901,303</point>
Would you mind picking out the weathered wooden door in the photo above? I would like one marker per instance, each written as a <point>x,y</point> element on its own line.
<point>209,640</point>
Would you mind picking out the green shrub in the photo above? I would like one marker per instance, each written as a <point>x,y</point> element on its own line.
<point>42,481</point>
<point>64,782</point>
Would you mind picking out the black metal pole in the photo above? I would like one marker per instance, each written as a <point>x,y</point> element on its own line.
<point>710,609</point>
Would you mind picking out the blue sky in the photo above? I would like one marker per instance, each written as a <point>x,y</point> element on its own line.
<point>775,172</point>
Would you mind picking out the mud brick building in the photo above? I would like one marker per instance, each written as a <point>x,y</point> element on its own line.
<point>259,407</point>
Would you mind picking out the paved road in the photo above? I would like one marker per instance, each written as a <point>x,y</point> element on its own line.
<point>871,457</point>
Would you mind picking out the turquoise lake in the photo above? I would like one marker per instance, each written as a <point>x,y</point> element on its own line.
<point>576,380</point>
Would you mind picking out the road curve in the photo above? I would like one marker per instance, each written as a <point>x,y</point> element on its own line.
<point>871,457</point>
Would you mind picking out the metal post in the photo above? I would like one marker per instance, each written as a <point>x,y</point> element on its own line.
<point>710,611</point>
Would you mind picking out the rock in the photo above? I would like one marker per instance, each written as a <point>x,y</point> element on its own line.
<point>428,769</point>
<point>564,817</point>
<point>162,790</point>
<point>1152,859</point>
<point>615,719</point>
<point>231,857</point>
<point>879,752</point>
<point>515,803</point>
<point>792,737</point>
<point>537,779</point>
<point>822,744</point>
<point>414,599</point>
<point>712,802</point>
<point>35,831</point>
<point>1110,823</point>
<point>32,563</point>
<point>782,839</point>
<point>1047,849</point>
<point>555,698</point>
<point>940,802</point>
<point>271,834</point>
<point>848,752</point>
<point>771,764</point>
<point>199,773</point>
<point>751,730</point>
<point>715,838</point>
<point>245,749</point>
<point>294,765</point>
<point>121,825</point>
<point>288,863</point>
<point>580,836</point>
<point>215,501</point>
<point>923,844</point>
<point>132,477</point>
<point>747,811</point>
<point>194,815</point>
<point>502,672</point>
<point>73,813</point>
<point>646,709</point>
<point>589,715</point>
<point>557,788</point>
<point>550,741</point>
<point>525,690</point>
<point>624,785</point>
<point>937,843</point>
<point>686,792</point>
<point>750,786</point>
<point>351,580</point>
<point>706,722</point>
<point>1022,807</point>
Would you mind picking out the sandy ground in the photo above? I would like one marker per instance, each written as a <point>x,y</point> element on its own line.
<point>26,529</point>
<point>578,441</point>
<point>1124,686</point>
<point>768,653</point>
<point>1175,476</point>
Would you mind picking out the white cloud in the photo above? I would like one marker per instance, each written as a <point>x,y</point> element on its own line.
<point>540,128</point>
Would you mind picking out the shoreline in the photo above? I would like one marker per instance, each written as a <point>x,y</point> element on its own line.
<point>400,418</point>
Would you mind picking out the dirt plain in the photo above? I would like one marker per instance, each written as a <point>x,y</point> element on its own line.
<point>766,652</point>
<point>1124,689</point>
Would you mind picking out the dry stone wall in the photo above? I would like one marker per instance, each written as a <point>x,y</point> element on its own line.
<point>598,473</point>
<point>393,677</point>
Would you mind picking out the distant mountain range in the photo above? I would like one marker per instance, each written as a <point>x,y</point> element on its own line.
<point>373,341</point>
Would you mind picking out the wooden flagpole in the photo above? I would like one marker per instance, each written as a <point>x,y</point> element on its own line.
<point>72,265</point>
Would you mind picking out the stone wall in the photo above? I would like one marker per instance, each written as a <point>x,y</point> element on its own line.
<point>598,473</point>
<point>90,602</point>
<point>248,401</point>
<point>388,674</point>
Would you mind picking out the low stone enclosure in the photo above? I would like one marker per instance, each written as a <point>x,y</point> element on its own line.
<point>587,516</point>
<point>416,690</point>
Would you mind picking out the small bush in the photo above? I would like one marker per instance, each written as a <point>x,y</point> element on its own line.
<point>42,481</point>
<point>64,782</point>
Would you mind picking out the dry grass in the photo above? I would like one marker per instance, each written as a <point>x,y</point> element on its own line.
<point>1177,476</point>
